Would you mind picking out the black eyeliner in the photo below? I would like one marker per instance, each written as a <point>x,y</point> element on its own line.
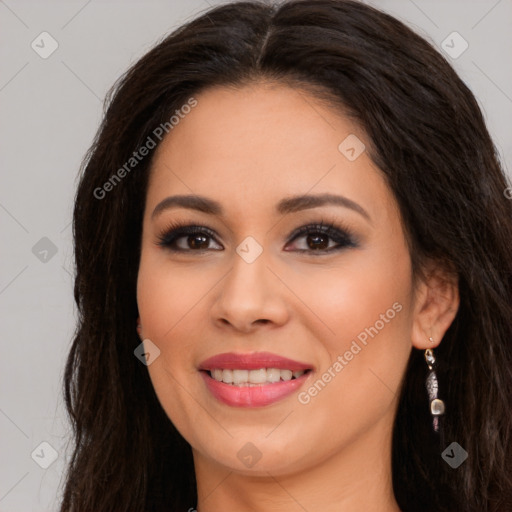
<point>176,230</point>
<point>339,234</point>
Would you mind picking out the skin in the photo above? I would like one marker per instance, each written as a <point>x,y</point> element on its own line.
<point>248,148</point>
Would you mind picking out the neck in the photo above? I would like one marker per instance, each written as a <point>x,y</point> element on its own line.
<point>355,479</point>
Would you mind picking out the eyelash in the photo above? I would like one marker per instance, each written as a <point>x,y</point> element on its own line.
<point>341,235</point>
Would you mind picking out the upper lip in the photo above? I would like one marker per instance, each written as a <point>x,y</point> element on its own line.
<point>253,361</point>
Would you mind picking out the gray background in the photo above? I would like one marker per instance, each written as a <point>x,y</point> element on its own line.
<point>50,111</point>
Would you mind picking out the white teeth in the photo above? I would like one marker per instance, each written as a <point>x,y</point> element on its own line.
<point>254,377</point>
<point>227,376</point>
<point>286,374</point>
<point>240,376</point>
<point>258,376</point>
<point>273,375</point>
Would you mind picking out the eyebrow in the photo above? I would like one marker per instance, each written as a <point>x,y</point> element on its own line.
<point>287,205</point>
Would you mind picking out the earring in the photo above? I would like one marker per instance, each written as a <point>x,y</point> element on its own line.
<point>437,406</point>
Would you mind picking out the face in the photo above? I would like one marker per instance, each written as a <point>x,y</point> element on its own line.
<point>318,291</point>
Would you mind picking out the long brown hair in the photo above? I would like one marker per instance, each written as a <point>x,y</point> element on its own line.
<point>430,141</point>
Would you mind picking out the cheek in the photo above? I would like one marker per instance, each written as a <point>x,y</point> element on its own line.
<point>173,307</point>
<point>365,314</point>
<point>351,295</point>
<point>165,294</point>
<point>167,301</point>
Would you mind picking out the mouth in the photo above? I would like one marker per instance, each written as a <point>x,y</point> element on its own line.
<point>253,380</point>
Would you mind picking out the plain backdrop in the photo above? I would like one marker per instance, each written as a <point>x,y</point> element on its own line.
<point>50,110</point>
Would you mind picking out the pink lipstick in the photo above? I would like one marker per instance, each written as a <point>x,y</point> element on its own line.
<point>253,380</point>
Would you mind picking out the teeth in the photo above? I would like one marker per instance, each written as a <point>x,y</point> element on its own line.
<point>286,374</point>
<point>273,375</point>
<point>227,376</point>
<point>240,376</point>
<point>258,376</point>
<point>254,377</point>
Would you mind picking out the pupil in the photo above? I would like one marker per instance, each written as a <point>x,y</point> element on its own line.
<point>316,239</point>
<point>194,240</point>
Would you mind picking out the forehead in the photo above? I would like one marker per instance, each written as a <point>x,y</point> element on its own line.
<point>258,143</point>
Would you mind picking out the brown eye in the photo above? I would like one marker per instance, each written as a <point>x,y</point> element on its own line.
<point>320,238</point>
<point>318,241</point>
<point>197,241</point>
<point>188,239</point>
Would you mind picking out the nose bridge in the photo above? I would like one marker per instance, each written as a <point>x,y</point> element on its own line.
<point>248,276</point>
<point>250,292</point>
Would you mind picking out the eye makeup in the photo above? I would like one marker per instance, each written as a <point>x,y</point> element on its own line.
<point>316,235</point>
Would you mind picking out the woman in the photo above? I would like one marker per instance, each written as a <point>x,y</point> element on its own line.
<point>293,276</point>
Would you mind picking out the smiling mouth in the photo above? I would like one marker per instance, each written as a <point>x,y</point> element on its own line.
<point>251,378</point>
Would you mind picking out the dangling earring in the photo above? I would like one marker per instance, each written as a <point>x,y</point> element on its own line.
<point>437,406</point>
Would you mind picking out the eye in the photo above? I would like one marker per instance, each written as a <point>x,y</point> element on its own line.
<point>318,238</point>
<point>179,237</point>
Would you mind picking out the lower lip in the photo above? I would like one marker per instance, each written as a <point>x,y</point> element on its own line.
<point>254,396</point>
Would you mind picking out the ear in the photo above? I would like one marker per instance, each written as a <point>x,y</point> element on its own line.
<point>435,306</point>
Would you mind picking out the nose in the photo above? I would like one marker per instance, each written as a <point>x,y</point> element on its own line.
<point>250,296</point>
